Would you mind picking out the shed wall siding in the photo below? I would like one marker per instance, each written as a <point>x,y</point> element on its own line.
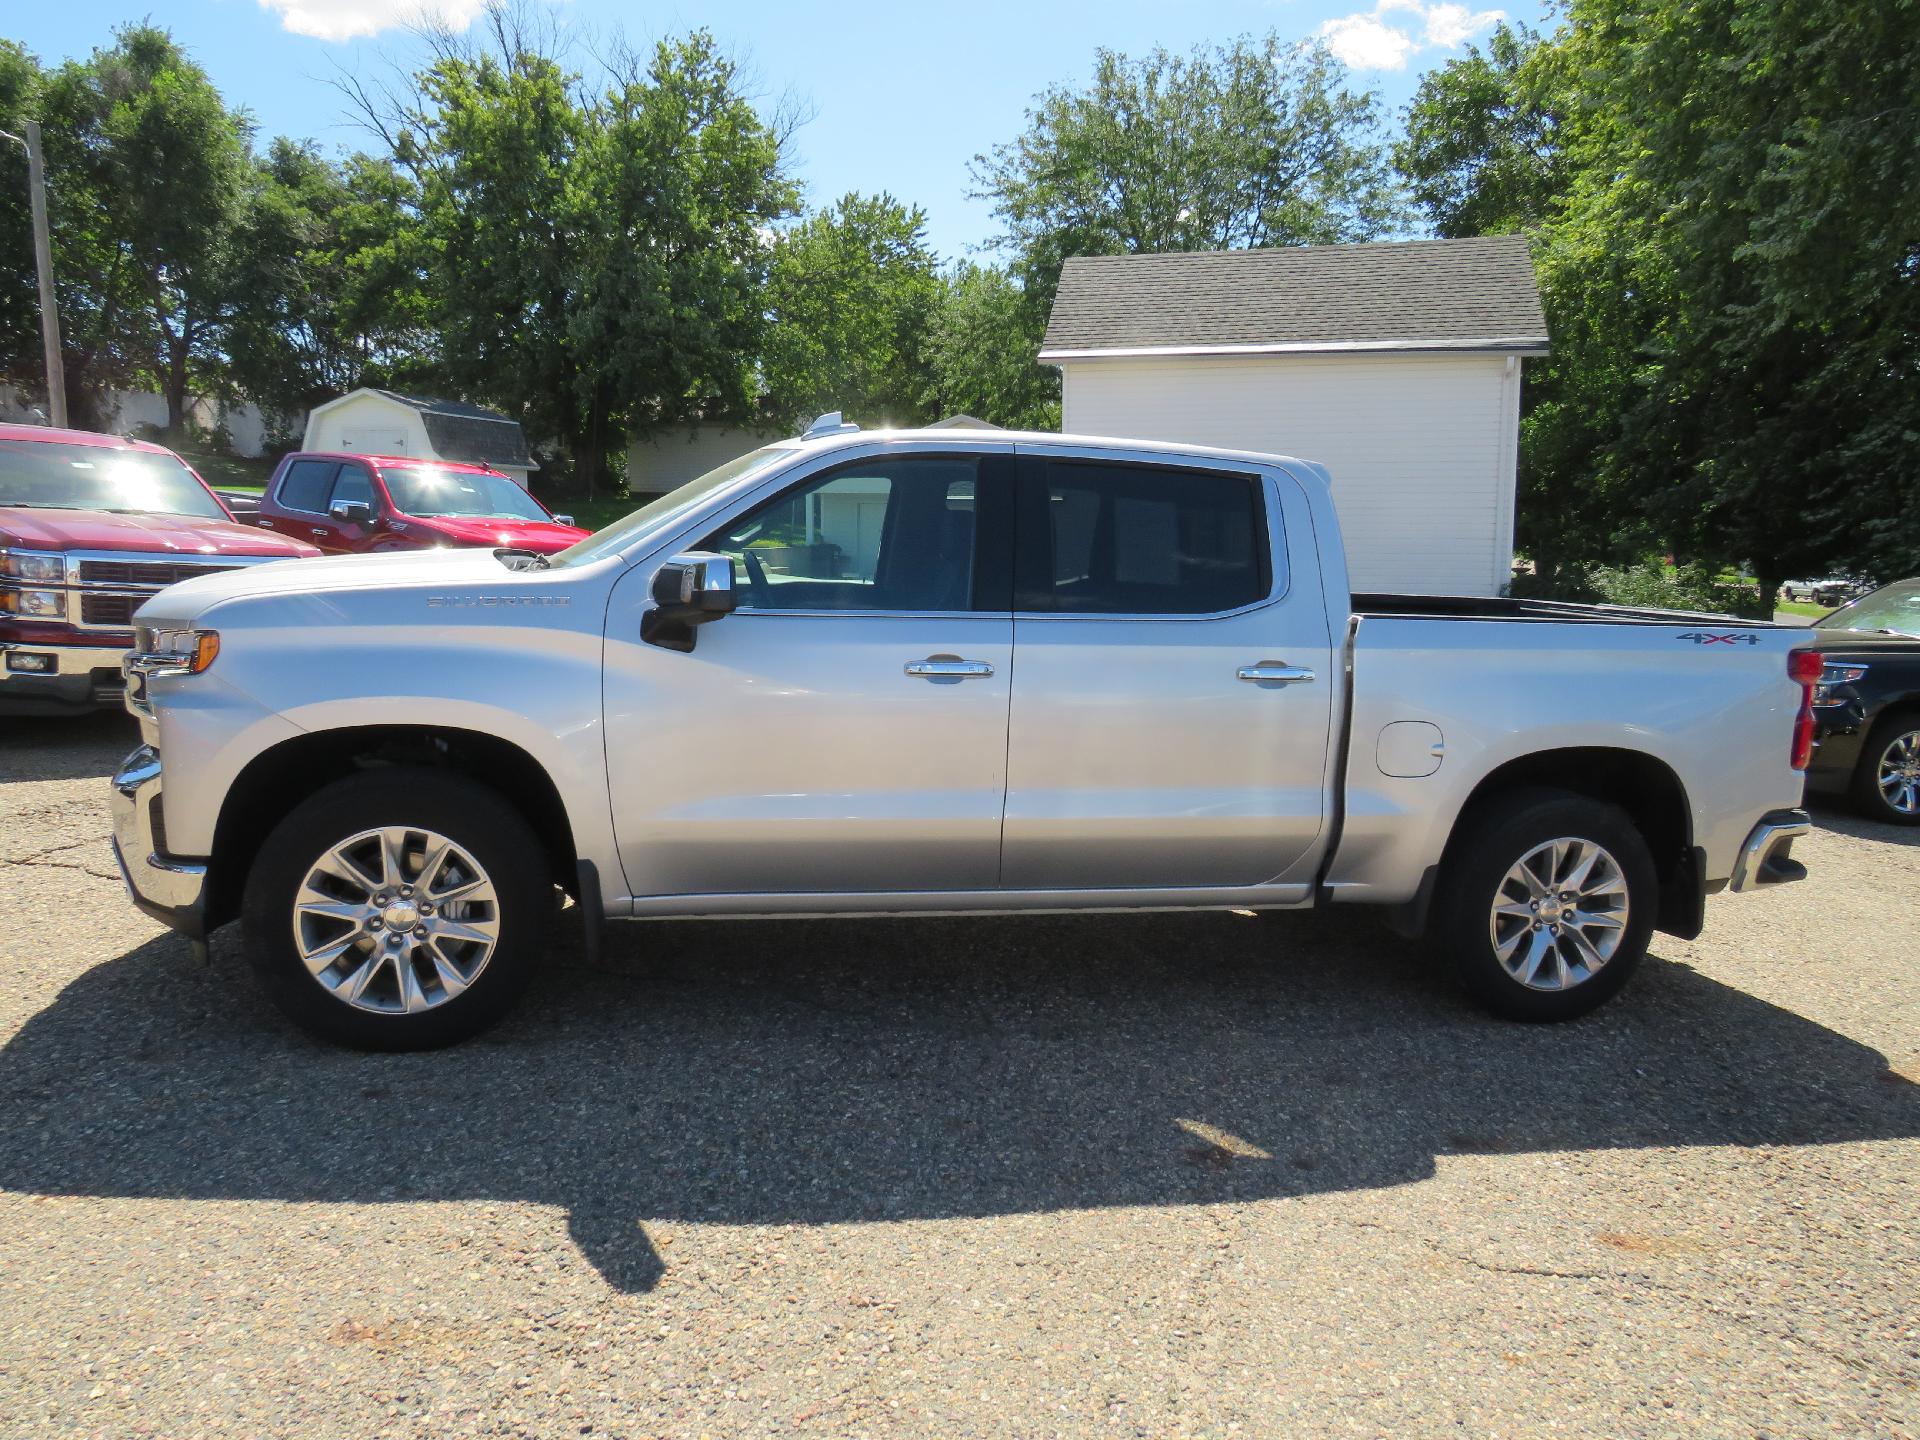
<point>346,426</point>
<point>1421,447</point>
<point>672,458</point>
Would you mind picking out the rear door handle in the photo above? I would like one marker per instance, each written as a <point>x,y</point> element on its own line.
<point>948,667</point>
<point>1274,672</point>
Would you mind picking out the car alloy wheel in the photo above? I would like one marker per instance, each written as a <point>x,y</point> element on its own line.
<point>1559,914</point>
<point>396,921</point>
<point>1899,773</point>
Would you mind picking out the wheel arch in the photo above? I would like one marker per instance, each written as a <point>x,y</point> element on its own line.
<point>283,775</point>
<point>1644,786</point>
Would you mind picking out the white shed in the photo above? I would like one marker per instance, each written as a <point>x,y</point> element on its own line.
<point>385,422</point>
<point>1397,366</point>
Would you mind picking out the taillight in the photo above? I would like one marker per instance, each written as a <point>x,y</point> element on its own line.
<point>1803,668</point>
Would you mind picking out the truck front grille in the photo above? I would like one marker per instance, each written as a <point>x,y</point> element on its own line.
<point>154,573</point>
<point>112,610</point>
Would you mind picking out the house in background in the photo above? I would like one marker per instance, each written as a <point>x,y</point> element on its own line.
<point>1397,366</point>
<point>385,422</point>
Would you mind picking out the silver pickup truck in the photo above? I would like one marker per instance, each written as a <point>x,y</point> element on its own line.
<point>939,671</point>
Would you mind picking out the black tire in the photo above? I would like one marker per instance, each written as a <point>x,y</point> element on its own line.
<point>1492,842</point>
<point>1868,798</point>
<point>477,821</point>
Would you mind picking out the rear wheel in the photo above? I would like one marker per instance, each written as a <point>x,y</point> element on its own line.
<point>1886,781</point>
<point>1547,904</point>
<point>397,910</point>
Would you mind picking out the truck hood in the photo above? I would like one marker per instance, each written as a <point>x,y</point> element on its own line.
<point>544,536</point>
<point>399,569</point>
<point>1863,642</point>
<point>36,529</point>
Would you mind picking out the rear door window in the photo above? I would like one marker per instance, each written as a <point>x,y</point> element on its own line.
<point>1106,539</point>
<point>354,485</point>
<point>306,485</point>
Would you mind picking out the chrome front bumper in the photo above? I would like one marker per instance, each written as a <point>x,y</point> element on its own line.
<point>171,891</point>
<point>1766,858</point>
<point>82,676</point>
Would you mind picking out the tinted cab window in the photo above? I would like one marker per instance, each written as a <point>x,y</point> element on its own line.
<point>1103,539</point>
<point>307,484</point>
<point>899,534</point>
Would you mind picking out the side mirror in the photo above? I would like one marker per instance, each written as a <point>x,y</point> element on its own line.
<point>563,519</point>
<point>351,512</point>
<point>689,590</point>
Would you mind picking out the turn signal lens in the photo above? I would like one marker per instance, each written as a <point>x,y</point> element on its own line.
<point>188,650</point>
<point>205,650</point>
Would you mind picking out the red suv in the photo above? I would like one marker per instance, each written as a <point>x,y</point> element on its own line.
<point>90,527</point>
<point>347,504</point>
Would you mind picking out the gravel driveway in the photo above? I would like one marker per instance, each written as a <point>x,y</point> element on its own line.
<point>1151,1176</point>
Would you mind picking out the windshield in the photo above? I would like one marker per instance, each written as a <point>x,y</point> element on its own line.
<point>430,492</point>
<point>664,509</point>
<point>1892,607</point>
<point>47,475</point>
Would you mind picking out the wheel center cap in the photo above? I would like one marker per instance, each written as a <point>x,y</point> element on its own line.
<point>401,915</point>
<point>1550,911</point>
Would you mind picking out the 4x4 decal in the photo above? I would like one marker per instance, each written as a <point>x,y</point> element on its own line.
<point>1721,637</point>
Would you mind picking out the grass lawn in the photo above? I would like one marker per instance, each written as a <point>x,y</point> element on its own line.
<point>230,472</point>
<point>1802,607</point>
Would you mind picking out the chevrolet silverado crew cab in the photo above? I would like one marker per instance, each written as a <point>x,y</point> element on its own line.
<point>940,671</point>
<point>90,526</point>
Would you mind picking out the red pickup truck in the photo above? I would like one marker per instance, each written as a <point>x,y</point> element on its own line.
<point>90,527</point>
<point>356,503</point>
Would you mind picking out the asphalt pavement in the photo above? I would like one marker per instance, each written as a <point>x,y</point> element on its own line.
<point>1150,1176</point>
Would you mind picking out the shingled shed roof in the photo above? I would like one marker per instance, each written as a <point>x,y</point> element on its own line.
<point>1471,294</point>
<point>473,433</point>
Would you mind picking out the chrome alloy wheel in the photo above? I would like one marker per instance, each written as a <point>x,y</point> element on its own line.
<point>1559,914</point>
<point>396,920</point>
<point>1899,775</point>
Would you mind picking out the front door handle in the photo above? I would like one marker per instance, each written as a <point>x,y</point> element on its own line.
<point>948,667</point>
<point>1275,672</point>
<point>318,532</point>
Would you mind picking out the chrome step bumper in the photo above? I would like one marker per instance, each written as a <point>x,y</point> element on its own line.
<point>171,891</point>
<point>1767,858</point>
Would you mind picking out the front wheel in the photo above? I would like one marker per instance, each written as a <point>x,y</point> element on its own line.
<point>397,910</point>
<point>1547,904</point>
<point>1886,783</point>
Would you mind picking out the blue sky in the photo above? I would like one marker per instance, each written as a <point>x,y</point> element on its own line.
<point>902,96</point>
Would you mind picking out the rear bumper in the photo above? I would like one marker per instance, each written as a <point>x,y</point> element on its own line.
<point>65,680</point>
<point>171,891</point>
<point>1767,856</point>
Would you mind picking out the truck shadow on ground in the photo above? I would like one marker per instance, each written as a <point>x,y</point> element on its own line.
<point>830,1071</point>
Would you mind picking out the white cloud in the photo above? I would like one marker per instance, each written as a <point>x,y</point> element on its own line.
<point>349,19</point>
<point>1454,25</point>
<point>1367,41</point>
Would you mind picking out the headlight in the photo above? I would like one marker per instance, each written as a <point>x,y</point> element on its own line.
<point>1832,675</point>
<point>33,565</point>
<point>35,604</point>
<point>189,650</point>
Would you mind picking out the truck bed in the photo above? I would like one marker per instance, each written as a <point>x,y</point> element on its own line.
<point>1560,612</point>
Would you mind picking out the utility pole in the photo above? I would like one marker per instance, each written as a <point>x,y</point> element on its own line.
<point>43,262</point>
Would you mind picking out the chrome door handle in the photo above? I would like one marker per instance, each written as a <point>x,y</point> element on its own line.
<point>322,534</point>
<point>951,667</point>
<point>1275,673</point>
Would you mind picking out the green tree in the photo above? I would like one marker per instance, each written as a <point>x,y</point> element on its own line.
<point>328,279</point>
<point>851,292</point>
<point>1256,143</point>
<point>149,167</point>
<point>20,358</point>
<point>1724,197</point>
<point>594,257</point>
<point>981,353</point>
<point>1481,150</point>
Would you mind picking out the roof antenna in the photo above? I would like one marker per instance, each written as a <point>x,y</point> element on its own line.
<point>828,424</point>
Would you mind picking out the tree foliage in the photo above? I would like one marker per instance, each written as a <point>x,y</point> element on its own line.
<point>980,353</point>
<point>1724,199</point>
<point>851,292</point>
